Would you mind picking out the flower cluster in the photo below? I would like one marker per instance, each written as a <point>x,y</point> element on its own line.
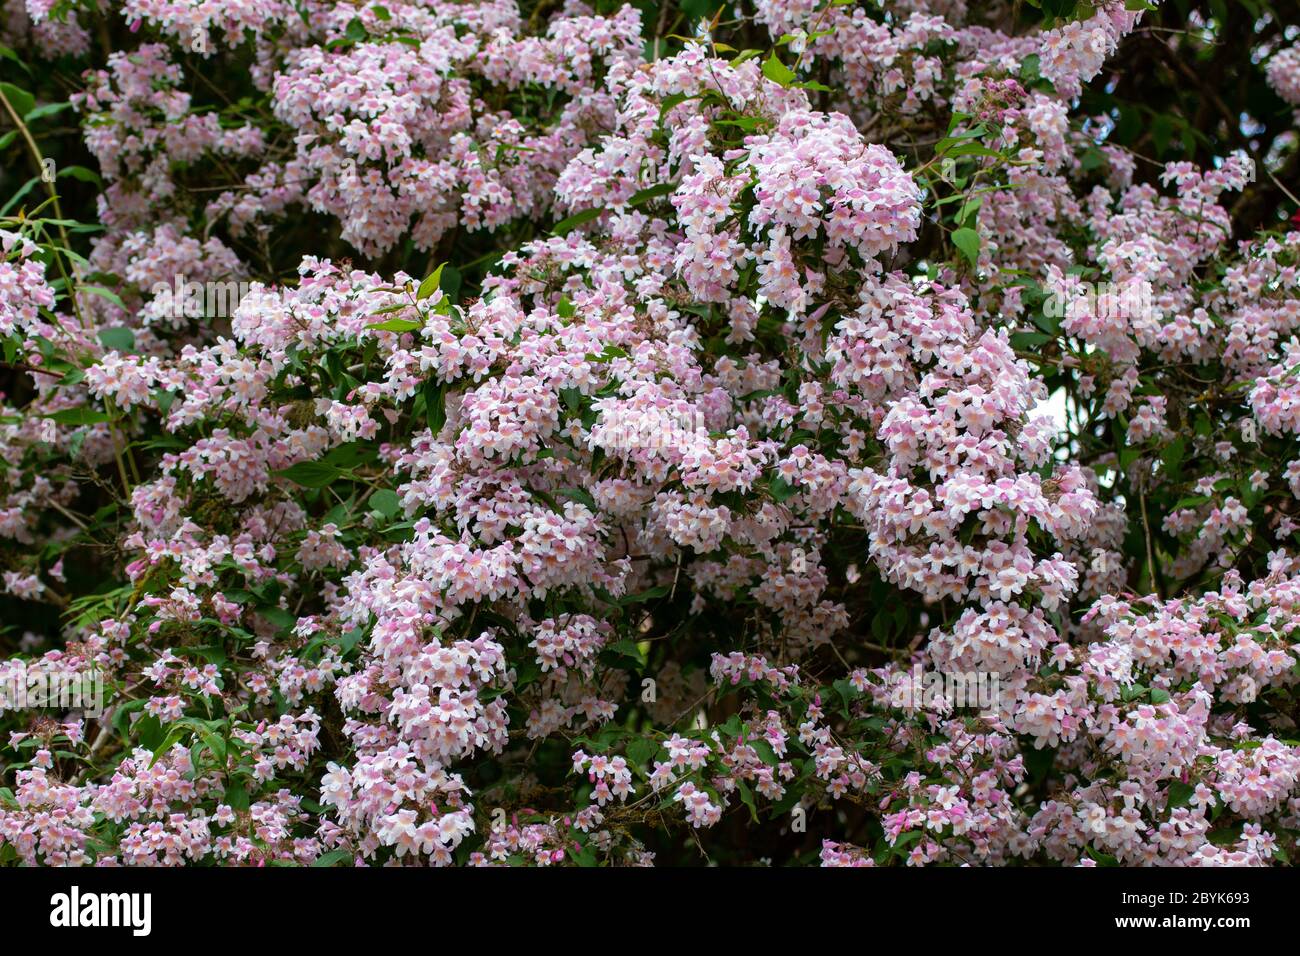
<point>589,441</point>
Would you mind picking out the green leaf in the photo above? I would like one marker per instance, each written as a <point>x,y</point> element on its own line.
<point>173,737</point>
<point>9,54</point>
<point>431,282</point>
<point>624,653</point>
<point>121,718</point>
<point>281,618</point>
<point>1173,458</point>
<point>1133,691</point>
<point>747,798</point>
<point>19,99</point>
<point>610,352</point>
<point>953,138</point>
<point>23,190</point>
<point>117,339</point>
<point>450,283</point>
<point>582,496</point>
<point>642,750</point>
<point>905,839</point>
<point>350,639</point>
<point>968,241</point>
<point>435,405</point>
<point>236,797</point>
<point>1226,836</point>
<point>311,474</point>
<point>650,595</point>
<point>676,99</point>
<point>350,455</point>
<point>215,744</point>
<point>48,109</point>
<point>397,325</point>
<point>776,71</point>
<point>78,416</point>
<point>781,489</point>
<point>969,208</point>
<point>566,226</point>
<point>973,149</point>
<point>333,858</point>
<point>111,296</point>
<point>764,751</point>
<point>652,192</point>
<point>386,502</point>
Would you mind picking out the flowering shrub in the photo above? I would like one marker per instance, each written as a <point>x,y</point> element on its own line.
<point>567,433</point>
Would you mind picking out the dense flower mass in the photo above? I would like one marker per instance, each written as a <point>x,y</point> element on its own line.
<point>586,432</point>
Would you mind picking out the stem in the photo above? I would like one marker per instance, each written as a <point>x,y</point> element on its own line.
<point>39,158</point>
<point>54,197</point>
